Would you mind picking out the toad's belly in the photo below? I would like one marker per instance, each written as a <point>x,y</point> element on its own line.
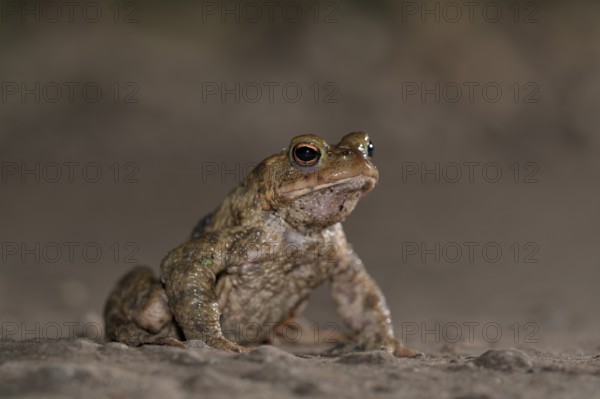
<point>254,301</point>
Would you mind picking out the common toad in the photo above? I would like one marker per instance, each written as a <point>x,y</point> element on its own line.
<point>254,261</point>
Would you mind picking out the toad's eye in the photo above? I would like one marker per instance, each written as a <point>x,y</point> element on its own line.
<point>306,154</point>
<point>370,149</point>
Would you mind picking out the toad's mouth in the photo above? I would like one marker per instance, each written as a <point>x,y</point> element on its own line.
<point>361,183</point>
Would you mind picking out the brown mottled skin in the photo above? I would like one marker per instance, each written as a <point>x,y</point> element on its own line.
<point>254,261</point>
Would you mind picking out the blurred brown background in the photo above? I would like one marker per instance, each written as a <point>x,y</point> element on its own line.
<point>391,68</point>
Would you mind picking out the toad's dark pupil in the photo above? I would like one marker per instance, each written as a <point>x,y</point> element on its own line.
<point>370,149</point>
<point>306,153</point>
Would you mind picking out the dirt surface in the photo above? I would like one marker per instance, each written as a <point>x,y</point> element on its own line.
<point>82,368</point>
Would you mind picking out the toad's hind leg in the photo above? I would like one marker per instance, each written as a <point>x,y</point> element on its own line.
<point>137,311</point>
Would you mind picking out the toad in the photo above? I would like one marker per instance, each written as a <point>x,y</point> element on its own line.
<point>254,261</point>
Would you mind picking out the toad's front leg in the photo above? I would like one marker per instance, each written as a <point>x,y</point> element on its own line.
<point>361,305</point>
<point>189,275</point>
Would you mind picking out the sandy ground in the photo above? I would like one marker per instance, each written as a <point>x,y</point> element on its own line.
<point>82,368</point>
